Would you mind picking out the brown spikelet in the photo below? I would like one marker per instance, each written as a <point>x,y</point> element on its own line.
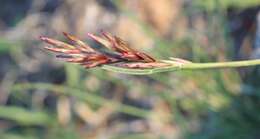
<point>79,52</point>
<point>120,46</point>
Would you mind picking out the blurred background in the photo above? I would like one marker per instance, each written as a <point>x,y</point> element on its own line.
<point>43,98</point>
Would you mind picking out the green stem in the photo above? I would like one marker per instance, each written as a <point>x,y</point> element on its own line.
<point>188,66</point>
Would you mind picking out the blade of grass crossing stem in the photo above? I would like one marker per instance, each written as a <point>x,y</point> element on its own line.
<point>81,95</point>
<point>23,116</point>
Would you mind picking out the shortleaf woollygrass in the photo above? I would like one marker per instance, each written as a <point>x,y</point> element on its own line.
<point>124,59</point>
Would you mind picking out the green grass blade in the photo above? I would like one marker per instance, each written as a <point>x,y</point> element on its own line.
<point>23,116</point>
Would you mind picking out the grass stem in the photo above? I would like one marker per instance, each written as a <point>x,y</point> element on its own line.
<point>188,66</point>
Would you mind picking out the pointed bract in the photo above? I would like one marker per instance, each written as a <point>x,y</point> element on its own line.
<point>81,45</point>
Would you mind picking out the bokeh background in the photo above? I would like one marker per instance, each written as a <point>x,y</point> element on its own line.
<point>43,98</point>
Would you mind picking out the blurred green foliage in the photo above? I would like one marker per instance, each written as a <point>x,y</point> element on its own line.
<point>4,46</point>
<point>224,4</point>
